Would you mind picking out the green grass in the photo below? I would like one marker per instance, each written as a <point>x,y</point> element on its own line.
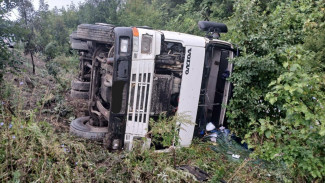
<point>31,151</point>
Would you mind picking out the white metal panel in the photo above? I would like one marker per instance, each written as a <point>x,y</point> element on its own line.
<point>156,44</point>
<point>139,100</point>
<point>190,91</point>
<point>185,39</point>
<point>140,97</point>
<point>142,72</point>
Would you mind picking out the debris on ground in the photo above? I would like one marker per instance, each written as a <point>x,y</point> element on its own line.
<point>224,143</point>
<point>199,174</point>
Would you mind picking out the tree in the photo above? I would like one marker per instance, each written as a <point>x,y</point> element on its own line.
<point>140,13</point>
<point>6,32</point>
<point>41,26</point>
<point>27,13</point>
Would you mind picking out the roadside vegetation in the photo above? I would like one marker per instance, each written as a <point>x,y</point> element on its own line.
<point>277,106</point>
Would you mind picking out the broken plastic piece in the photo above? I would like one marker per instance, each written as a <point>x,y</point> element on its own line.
<point>236,156</point>
<point>210,126</point>
<point>202,132</point>
<point>213,135</point>
<point>222,128</point>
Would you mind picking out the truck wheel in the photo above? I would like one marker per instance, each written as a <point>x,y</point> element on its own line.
<point>79,94</point>
<point>100,32</point>
<point>80,127</point>
<point>80,85</point>
<point>79,45</point>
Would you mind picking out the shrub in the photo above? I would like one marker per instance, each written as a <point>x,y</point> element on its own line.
<point>279,83</point>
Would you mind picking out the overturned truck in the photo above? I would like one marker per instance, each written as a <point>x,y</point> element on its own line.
<point>132,74</point>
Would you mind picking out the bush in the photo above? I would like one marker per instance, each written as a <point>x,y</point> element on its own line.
<point>63,69</point>
<point>51,50</point>
<point>279,83</point>
<point>296,134</point>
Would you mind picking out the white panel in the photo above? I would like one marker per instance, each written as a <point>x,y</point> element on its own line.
<point>142,68</point>
<point>138,111</point>
<point>156,44</point>
<point>190,92</point>
<point>185,39</point>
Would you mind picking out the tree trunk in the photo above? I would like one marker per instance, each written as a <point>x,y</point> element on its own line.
<point>31,55</point>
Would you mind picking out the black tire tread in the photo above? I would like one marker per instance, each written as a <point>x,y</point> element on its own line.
<point>79,94</point>
<point>79,127</point>
<point>79,45</point>
<point>80,85</point>
<point>100,33</point>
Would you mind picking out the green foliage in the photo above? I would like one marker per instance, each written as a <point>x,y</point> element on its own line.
<point>298,136</point>
<point>187,14</point>
<point>95,11</point>
<point>30,150</point>
<point>164,130</point>
<point>279,83</point>
<point>53,69</point>
<point>315,41</point>
<point>51,50</point>
<point>142,13</point>
<point>63,69</point>
<point>252,74</point>
<point>5,34</point>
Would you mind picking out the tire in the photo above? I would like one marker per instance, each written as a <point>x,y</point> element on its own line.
<point>81,128</point>
<point>76,43</point>
<point>102,33</point>
<point>79,94</point>
<point>79,45</point>
<point>80,85</point>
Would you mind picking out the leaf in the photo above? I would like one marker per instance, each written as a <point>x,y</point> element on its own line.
<point>322,132</point>
<point>272,83</point>
<point>294,67</point>
<point>272,100</point>
<point>268,134</point>
<point>286,87</point>
<point>285,64</point>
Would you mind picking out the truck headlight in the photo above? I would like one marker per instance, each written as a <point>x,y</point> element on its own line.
<point>124,44</point>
